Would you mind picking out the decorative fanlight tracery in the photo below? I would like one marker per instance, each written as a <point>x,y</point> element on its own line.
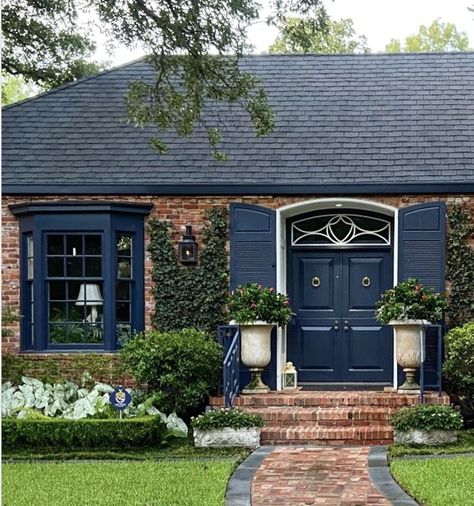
<point>341,230</point>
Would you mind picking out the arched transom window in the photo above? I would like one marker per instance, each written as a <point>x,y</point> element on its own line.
<point>341,230</point>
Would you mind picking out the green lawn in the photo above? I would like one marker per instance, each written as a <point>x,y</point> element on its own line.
<point>437,482</point>
<point>165,483</point>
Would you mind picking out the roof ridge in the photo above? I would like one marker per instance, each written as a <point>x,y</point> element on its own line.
<point>74,83</point>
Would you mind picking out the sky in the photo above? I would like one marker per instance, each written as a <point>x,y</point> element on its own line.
<point>379,20</point>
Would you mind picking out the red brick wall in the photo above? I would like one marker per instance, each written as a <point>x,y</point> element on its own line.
<point>178,210</point>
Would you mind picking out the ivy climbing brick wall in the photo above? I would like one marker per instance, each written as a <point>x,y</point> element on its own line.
<point>178,210</point>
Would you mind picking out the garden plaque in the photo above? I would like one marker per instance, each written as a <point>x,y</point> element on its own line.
<point>120,398</point>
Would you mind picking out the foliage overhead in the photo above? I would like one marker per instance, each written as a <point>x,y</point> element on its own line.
<point>427,417</point>
<point>190,296</point>
<point>44,43</point>
<point>460,265</point>
<point>194,48</point>
<point>437,37</point>
<point>253,302</point>
<point>410,300</point>
<point>303,35</point>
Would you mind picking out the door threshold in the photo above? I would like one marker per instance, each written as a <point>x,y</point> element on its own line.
<point>337,386</point>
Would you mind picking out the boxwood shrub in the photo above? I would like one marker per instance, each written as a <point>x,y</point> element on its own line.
<point>181,368</point>
<point>87,433</point>
<point>221,418</point>
<point>427,417</point>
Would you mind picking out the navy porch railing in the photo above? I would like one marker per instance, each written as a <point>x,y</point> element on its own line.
<point>229,337</point>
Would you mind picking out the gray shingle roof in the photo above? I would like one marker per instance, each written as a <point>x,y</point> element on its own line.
<point>340,119</point>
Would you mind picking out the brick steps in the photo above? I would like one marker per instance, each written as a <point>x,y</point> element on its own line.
<point>287,416</point>
<point>365,435</point>
<point>327,418</point>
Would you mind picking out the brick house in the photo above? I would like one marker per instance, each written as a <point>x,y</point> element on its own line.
<point>344,199</point>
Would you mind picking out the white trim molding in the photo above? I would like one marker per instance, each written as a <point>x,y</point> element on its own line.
<point>332,204</point>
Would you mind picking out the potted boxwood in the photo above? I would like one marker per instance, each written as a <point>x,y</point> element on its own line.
<point>407,307</point>
<point>257,309</point>
<point>426,424</point>
<point>227,427</point>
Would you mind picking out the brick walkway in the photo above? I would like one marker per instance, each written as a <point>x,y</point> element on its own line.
<point>293,476</point>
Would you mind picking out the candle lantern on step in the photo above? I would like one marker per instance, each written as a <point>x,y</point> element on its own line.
<point>290,376</point>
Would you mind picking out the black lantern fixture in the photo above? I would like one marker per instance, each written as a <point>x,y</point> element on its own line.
<point>188,248</point>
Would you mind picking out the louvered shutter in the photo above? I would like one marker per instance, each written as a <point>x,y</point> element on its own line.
<point>253,260</point>
<point>421,255</point>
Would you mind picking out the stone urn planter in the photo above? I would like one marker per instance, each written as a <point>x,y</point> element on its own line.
<point>425,437</point>
<point>255,352</point>
<point>408,346</point>
<point>248,437</point>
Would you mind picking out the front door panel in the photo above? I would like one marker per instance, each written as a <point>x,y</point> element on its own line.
<point>334,336</point>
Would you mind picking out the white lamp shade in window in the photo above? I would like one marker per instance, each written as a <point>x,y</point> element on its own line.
<point>89,295</point>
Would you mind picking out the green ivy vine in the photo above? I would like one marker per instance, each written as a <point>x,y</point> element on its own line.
<point>190,296</point>
<point>460,265</point>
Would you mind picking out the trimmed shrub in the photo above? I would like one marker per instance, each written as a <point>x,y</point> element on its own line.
<point>87,433</point>
<point>232,418</point>
<point>181,368</point>
<point>458,366</point>
<point>427,417</point>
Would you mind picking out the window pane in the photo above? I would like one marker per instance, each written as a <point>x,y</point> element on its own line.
<point>74,267</point>
<point>123,290</point>
<point>123,333</point>
<point>56,267</point>
<point>124,245</point>
<point>75,312</point>
<point>30,268</point>
<point>57,334</point>
<point>74,245</point>
<point>57,290</point>
<point>94,334</point>
<point>55,245</point>
<point>73,288</point>
<point>93,245</point>
<point>29,246</point>
<point>93,267</point>
<point>123,311</point>
<point>57,312</point>
<point>124,267</point>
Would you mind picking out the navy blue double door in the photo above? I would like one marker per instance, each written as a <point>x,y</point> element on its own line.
<point>334,336</point>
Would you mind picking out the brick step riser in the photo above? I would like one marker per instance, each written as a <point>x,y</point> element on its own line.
<point>325,423</point>
<point>326,403</point>
<point>327,442</point>
<point>322,416</point>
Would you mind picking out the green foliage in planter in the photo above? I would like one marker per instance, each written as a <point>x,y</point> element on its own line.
<point>460,265</point>
<point>90,433</point>
<point>254,302</point>
<point>410,300</point>
<point>190,296</point>
<point>181,368</point>
<point>427,417</point>
<point>221,418</point>
<point>458,366</point>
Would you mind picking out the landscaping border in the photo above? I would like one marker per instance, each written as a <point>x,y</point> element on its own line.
<point>381,477</point>
<point>239,488</point>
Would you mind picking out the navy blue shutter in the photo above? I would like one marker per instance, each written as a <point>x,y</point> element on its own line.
<point>422,237</point>
<point>421,255</point>
<point>253,260</point>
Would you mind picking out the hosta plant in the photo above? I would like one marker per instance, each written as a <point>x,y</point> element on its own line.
<point>410,300</point>
<point>254,302</point>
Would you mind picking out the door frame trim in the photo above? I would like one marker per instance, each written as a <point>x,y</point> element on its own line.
<point>334,204</point>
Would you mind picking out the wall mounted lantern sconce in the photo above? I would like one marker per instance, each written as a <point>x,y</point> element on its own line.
<point>188,248</point>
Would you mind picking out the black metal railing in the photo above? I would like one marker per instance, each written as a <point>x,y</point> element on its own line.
<point>229,337</point>
<point>439,358</point>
